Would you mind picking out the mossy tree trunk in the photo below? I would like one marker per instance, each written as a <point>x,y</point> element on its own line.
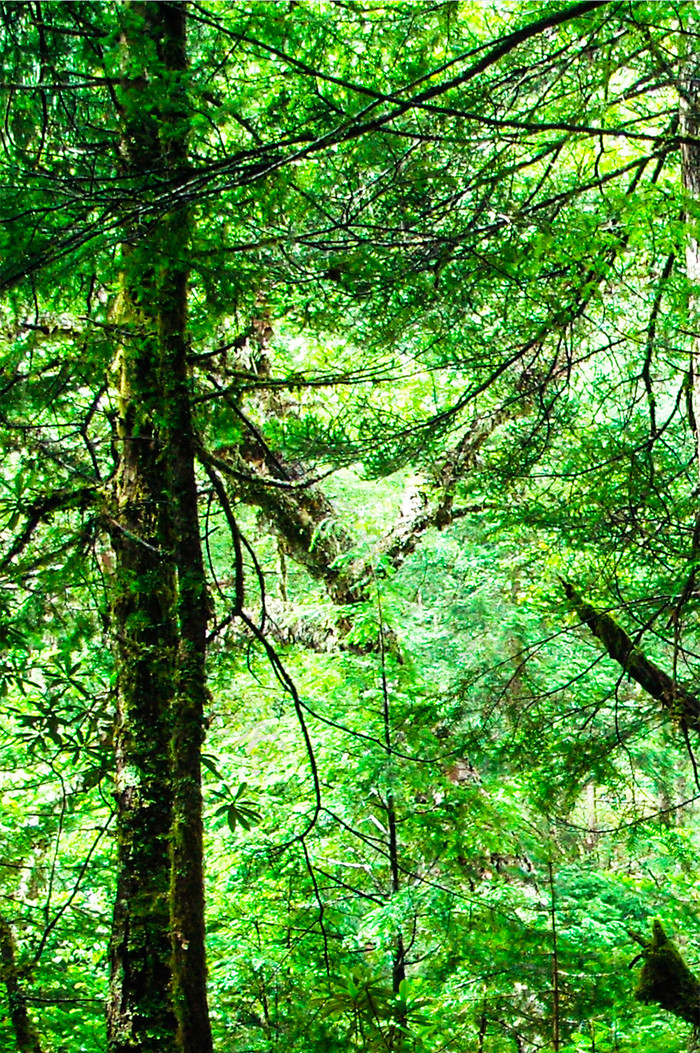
<point>192,608</point>
<point>158,983</point>
<point>690,159</point>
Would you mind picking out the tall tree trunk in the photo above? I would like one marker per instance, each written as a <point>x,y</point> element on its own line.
<point>178,443</point>
<point>690,158</point>
<point>398,968</point>
<point>158,984</point>
<point>141,1015</point>
<point>556,1010</point>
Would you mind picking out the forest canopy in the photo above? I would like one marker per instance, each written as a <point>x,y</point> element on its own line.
<point>349,526</point>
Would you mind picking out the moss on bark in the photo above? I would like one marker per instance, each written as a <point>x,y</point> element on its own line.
<point>679,702</point>
<point>158,984</point>
<point>665,979</point>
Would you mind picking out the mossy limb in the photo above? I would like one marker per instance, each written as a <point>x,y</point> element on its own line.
<point>665,979</point>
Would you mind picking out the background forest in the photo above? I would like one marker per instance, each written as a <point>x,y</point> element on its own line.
<point>349,526</point>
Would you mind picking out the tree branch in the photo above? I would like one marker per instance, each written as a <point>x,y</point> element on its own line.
<point>309,526</point>
<point>680,703</point>
<point>42,510</point>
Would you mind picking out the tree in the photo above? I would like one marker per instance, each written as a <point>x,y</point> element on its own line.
<point>159,603</point>
<point>454,198</point>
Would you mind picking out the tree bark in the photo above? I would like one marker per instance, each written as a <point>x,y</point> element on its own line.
<point>680,703</point>
<point>308,525</point>
<point>665,978</point>
<point>26,1036</point>
<point>192,608</point>
<point>690,160</point>
<point>158,979</point>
